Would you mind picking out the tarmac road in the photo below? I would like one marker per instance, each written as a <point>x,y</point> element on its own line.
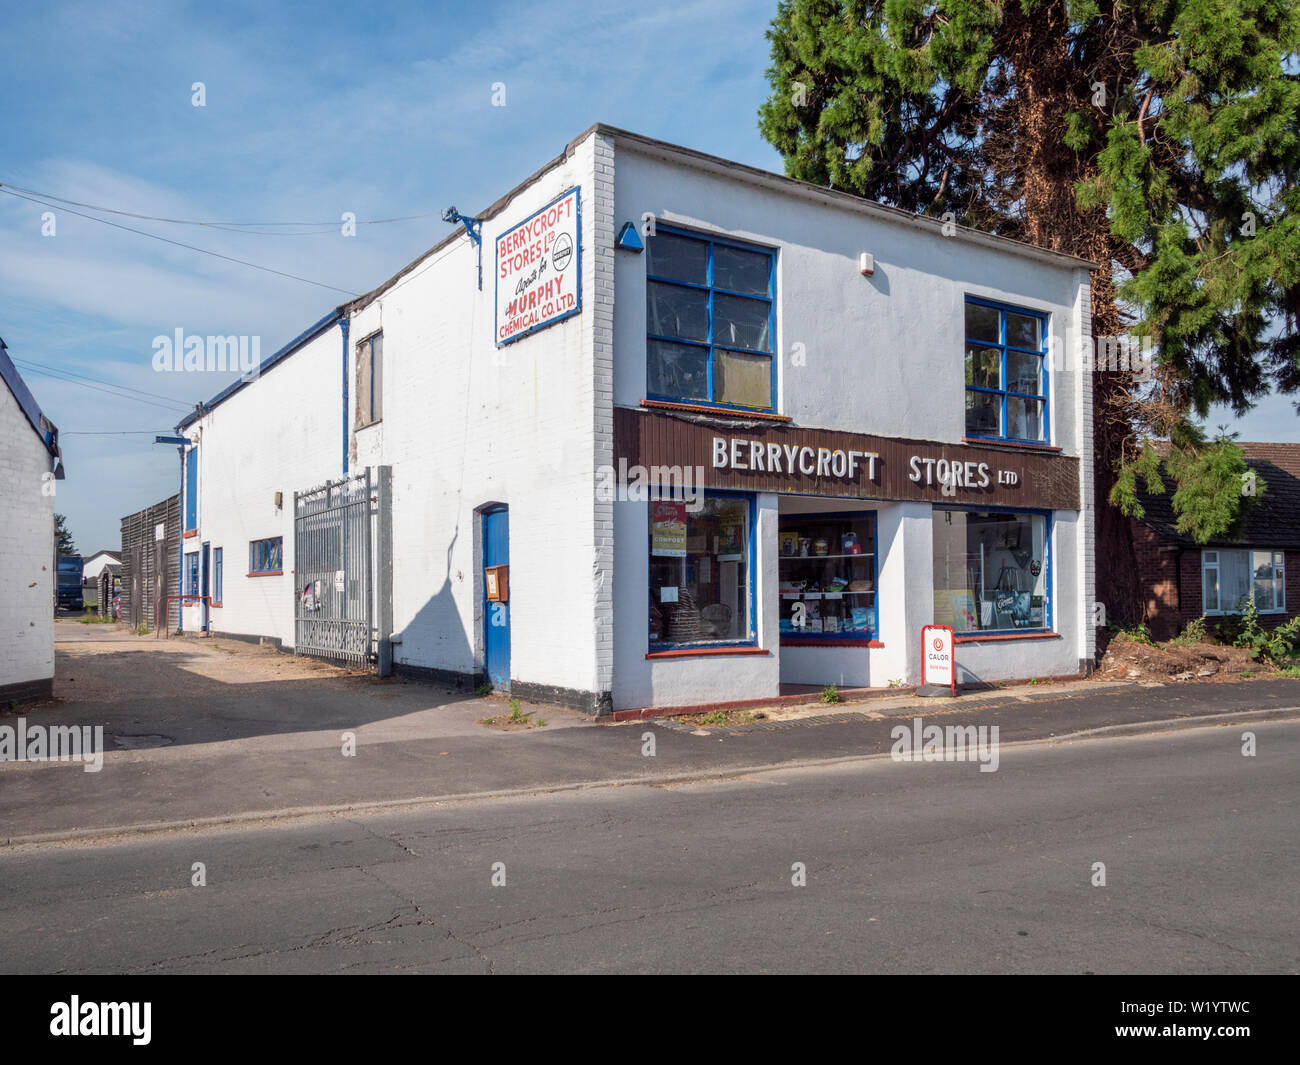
<point>910,867</point>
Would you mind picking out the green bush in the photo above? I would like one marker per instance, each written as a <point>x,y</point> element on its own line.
<point>1194,632</point>
<point>1277,645</point>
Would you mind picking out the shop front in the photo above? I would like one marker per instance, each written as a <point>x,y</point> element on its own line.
<point>779,557</point>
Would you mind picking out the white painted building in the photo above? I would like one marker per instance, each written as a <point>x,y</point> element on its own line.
<point>876,426</point>
<point>30,463</point>
<point>93,565</point>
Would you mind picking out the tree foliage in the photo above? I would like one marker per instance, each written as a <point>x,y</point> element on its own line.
<point>1158,138</point>
<point>62,537</point>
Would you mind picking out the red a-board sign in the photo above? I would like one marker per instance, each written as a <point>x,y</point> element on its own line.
<point>938,657</point>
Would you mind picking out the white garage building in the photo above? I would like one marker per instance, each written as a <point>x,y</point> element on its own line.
<point>678,431</point>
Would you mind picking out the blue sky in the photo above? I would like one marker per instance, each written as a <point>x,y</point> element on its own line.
<point>311,110</point>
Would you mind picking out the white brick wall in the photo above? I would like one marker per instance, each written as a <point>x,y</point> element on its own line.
<point>283,433</point>
<point>26,549</point>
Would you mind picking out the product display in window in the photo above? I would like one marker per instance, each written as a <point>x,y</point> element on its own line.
<point>699,571</point>
<point>827,577</point>
<point>990,571</point>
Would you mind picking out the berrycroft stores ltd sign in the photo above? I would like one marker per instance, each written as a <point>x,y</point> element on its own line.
<point>852,465</point>
<point>537,270</point>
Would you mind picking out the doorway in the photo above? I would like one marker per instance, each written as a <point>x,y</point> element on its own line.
<point>496,596</point>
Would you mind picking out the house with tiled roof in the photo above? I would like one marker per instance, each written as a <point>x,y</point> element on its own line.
<point>1181,579</point>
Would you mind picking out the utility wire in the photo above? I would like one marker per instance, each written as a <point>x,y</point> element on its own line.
<point>116,395</point>
<point>59,371</point>
<point>112,432</point>
<point>179,244</point>
<point>329,226</point>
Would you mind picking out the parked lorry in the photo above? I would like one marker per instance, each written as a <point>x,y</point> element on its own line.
<point>68,593</point>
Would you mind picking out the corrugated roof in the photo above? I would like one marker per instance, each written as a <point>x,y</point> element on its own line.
<point>1271,521</point>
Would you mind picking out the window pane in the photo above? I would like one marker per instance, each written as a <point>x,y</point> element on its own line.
<point>741,323</point>
<point>1266,592</point>
<point>745,380</point>
<point>699,571</point>
<point>990,571</point>
<point>674,311</point>
<point>741,271</point>
<point>1210,589</point>
<point>984,367</point>
<point>678,258</point>
<point>982,323</point>
<point>677,370</point>
<point>1022,331</point>
<point>1024,418</point>
<point>377,378</point>
<point>983,413</point>
<point>1234,580</point>
<point>1024,373</point>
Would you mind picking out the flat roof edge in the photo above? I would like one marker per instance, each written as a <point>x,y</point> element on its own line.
<point>839,197</point>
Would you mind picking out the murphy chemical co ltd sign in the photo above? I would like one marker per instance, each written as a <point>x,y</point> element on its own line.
<point>538,270</point>
<point>850,465</point>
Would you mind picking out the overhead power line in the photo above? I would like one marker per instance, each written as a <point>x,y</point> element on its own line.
<point>252,227</point>
<point>116,391</point>
<point>167,240</point>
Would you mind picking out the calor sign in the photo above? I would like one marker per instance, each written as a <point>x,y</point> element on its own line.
<point>938,663</point>
<point>538,270</point>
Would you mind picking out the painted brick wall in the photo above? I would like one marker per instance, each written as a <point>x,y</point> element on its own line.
<point>282,434</point>
<point>26,552</point>
<point>467,424</point>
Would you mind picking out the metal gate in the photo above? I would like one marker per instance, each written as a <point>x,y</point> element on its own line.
<point>332,571</point>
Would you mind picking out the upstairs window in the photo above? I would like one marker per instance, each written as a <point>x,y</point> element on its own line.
<point>192,489</point>
<point>1006,373</point>
<point>709,321</point>
<point>370,380</point>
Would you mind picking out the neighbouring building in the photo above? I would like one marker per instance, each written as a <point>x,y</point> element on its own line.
<point>655,429</point>
<point>1183,580</point>
<point>30,464</point>
<point>93,565</point>
<point>150,564</point>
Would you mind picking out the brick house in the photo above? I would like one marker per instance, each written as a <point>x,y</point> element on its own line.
<point>1182,580</point>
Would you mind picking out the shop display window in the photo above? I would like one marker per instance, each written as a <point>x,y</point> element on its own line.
<point>990,571</point>
<point>700,571</point>
<point>827,577</point>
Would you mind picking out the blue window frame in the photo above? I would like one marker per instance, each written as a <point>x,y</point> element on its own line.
<point>191,573</point>
<point>218,566</point>
<point>992,570</point>
<point>710,321</point>
<point>192,489</point>
<point>264,555</point>
<point>702,572</point>
<point>838,588</point>
<point>1006,373</point>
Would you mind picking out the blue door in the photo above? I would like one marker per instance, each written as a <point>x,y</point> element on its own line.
<point>205,588</point>
<point>496,612</point>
